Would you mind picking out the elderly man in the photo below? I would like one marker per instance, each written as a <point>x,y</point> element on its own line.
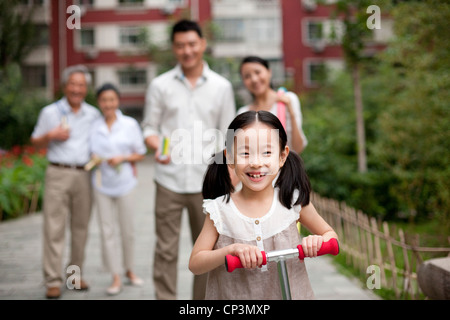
<point>63,128</point>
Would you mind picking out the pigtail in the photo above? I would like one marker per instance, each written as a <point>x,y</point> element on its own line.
<point>293,176</point>
<point>217,181</point>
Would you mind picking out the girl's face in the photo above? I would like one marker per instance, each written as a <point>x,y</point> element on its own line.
<point>256,77</point>
<point>108,101</point>
<point>257,156</point>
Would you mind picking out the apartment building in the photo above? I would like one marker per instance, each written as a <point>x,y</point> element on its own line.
<point>293,35</point>
<point>37,67</point>
<point>110,43</point>
<point>251,27</point>
<point>311,41</point>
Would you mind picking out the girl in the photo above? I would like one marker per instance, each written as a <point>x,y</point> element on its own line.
<point>256,76</point>
<point>261,216</point>
<point>116,144</point>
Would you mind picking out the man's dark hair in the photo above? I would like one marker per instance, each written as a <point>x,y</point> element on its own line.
<point>185,26</point>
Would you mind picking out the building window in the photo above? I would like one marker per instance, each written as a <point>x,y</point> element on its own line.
<point>42,34</point>
<point>131,3</point>
<point>177,3</point>
<point>87,38</point>
<point>319,33</point>
<point>35,76</point>
<point>230,29</point>
<point>264,30</point>
<point>131,36</point>
<point>133,77</point>
<point>84,3</point>
<point>278,74</point>
<point>314,31</point>
<point>33,2</point>
<point>315,73</point>
<point>255,30</point>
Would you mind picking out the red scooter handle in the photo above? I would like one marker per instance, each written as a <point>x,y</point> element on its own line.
<point>329,247</point>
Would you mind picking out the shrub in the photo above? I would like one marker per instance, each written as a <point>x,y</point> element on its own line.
<point>22,173</point>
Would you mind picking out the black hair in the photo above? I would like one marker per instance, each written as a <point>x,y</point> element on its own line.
<point>292,176</point>
<point>185,25</point>
<point>106,87</point>
<point>255,59</point>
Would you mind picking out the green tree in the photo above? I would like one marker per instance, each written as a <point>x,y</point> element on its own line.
<point>354,18</point>
<point>413,137</point>
<point>17,32</point>
<point>406,93</point>
<point>18,111</point>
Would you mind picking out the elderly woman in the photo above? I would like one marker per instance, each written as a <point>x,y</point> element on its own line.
<point>116,144</point>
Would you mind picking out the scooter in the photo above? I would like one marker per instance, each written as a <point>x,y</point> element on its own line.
<point>280,256</point>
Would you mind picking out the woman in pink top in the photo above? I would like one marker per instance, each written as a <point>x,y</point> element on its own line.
<point>256,76</point>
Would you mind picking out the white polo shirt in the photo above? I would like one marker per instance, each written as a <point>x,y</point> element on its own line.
<point>195,120</point>
<point>75,150</point>
<point>124,138</point>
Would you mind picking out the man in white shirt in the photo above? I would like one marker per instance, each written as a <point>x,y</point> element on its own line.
<point>192,106</point>
<point>63,128</point>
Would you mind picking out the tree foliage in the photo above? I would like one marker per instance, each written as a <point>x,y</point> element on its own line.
<point>406,96</point>
<point>17,32</point>
<point>414,139</point>
<point>19,109</point>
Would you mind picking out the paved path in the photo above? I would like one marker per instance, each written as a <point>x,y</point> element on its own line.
<point>21,252</point>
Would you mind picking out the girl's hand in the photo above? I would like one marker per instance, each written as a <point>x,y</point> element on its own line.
<point>250,256</point>
<point>311,245</point>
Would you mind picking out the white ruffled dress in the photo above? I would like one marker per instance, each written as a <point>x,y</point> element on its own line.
<point>275,230</point>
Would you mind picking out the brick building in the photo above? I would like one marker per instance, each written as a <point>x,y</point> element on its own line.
<point>292,34</point>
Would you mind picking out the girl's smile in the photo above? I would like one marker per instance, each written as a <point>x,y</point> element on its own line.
<point>256,176</point>
<point>257,156</point>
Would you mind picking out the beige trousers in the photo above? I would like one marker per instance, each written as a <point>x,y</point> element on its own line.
<point>113,211</point>
<point>67,199</point>
<point>168,210</point>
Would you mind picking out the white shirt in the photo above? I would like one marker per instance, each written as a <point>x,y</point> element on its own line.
<point>75,150</point>
<point>124,138</point>
<point>194,119</point>
<point>297,113</point>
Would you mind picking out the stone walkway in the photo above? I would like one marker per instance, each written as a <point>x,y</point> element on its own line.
<point>21,257</point>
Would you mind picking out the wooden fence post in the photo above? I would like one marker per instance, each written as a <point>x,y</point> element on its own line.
<point>363,233</point>
<point>378,255</point>
<point>391,256</point>
<point>407,270</point>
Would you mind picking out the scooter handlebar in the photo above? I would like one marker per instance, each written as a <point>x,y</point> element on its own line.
<point>329,247</point>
